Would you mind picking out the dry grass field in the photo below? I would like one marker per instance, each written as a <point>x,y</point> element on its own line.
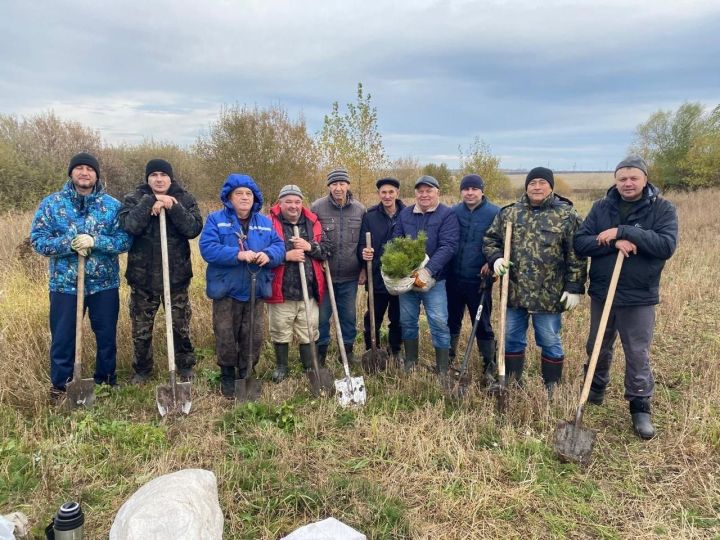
<point>410,464</point>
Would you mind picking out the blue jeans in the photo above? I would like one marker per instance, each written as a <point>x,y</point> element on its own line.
<point>345,295</point>
<point>435,303</point>
<point>547,328</point>
<point>103,308</point>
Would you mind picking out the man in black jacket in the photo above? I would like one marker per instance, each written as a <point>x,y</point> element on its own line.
<point>634,219</point>
<point>139,217</point>
<point>379,221</point>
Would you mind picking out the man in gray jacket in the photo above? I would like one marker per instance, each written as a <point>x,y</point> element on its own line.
<point>341,218</point>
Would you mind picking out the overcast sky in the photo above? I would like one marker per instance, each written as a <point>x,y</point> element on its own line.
<point>562,85</point>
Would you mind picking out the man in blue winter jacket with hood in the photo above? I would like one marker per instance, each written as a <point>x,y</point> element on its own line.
<point>236,242</point>
<point>634,219</point>
<point>81,219</point>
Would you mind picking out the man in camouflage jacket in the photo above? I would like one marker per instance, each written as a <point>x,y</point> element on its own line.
<point>547,277</point>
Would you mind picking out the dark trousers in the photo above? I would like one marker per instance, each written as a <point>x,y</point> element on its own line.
<point>385,301</point>
<point>103,308</point>
<point>144,306</point>
<point>635,325</point>
<point>464,294</point>
<point>231,324</point>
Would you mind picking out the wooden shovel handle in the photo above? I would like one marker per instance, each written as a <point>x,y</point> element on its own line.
<point>166,293</point>
<point>79,314</point>
<point>503,302</point>
<point>306,299</point>
<point>371,295</point>
<point>601,328</point>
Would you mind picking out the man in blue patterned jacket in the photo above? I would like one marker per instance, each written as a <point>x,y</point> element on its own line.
<point>81,219</point>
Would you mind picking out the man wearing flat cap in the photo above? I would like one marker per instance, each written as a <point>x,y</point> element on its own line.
<point>286,306</point>
<point>634,219</point>
<point>469,274</point>
<point>341,217</point>
<point>440,224</point>
<point>81,220</point>
<point>547,277</point>
<point>380,221</point>
<point>139,216</point>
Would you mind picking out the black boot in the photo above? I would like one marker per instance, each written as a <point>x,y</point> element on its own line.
<point>551,371</point>
<point>227,381</point>
<point>640,413</point>
<point>281,362</point>
<point>349,353</point>
<point>411,354</point>
<point>596,396</point>
<point>454,338</point>
<point>442,361</point>
<point>322,354</point>
<point>306,356</point>
<point>514,366</point>
<point>487,352</point>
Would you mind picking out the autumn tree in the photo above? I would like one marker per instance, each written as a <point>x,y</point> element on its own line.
<point>442,174</point>
<point>477,158</point>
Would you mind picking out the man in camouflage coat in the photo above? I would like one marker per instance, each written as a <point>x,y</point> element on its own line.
<point>139,216</point>
<point>547,277</point>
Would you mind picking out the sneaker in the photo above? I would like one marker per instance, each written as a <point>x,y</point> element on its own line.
<point>57,395</point>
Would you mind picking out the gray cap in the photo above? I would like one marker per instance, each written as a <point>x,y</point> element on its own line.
<point>633,161</point>
<point>290,189</point>
<point>428,181</point>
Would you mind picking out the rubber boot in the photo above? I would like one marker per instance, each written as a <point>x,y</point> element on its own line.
<point>442,361</point>
<point>322,353</point>
<point>596,396</point>
<point>227,381</point>
<point>281,362</point>
<point>411,354</point>
<point>306,356</point>
<point>640,413</point>
<point>454,338</point>
<point>514,366</point>
<point>551,371</point>
<point>487,350</point>
<point>349,353</point>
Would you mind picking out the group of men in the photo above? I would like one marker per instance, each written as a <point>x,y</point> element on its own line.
<point>243,248</point>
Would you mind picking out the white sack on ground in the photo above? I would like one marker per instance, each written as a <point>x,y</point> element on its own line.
<point>327,529</point>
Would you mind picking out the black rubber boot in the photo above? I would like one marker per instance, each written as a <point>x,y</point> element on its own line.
<point>442,361</point>
<point>281,362</point>
<point>322,354</point>
<point>227,381</point>
<point>411,354</point>
<point>349,353</point>
<point>551,371</point>
<point>514,366</point>
<point>640,413</point>
<point>596,396</point>
<point>487,352</point>
<point>306,356</point>
<point>454,338</point>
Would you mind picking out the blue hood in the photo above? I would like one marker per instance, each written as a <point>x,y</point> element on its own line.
<point>236,180</point>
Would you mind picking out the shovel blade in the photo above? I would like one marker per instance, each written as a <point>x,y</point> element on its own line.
<point>248,389</point>
<point>461,386</point>
<point>80,393</point>
<point>374,361</point>
<point>348,396</point>
<point>574,443</point>
<point>499,390</point>
<point>321,382</point>
<point>178,402</point>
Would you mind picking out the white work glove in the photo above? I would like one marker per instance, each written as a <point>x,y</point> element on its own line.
<point>570,300</point>
<point>501,266</point>
<point>83,244</point>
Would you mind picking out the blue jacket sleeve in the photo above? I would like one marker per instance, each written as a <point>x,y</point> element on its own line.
<point>659,242</point>
<point>46,238</point>
<point>585,240</point>
<point>211,247</point>
<point>448,236</point>
<point>113,241</point>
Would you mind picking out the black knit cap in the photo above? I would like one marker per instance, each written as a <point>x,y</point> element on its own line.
<point>158,165</point>
<point>540,172</point>
<point>389,181</point>
<point>83,158</point>
<point>472,181</point>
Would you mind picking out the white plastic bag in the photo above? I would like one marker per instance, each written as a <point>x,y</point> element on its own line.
<point>398,286</point>
<point>6,529</point>
<point>179,506</point>
<point>327,529</point>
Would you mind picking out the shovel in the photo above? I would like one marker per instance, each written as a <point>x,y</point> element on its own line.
<point>175,397</point>
<point>375,359</point>
<point>573,442</point>
<point>79,391</point>
<point>350,390</point>
<point>500,387</point>
<point>249,388</point>
<point>320,378</point>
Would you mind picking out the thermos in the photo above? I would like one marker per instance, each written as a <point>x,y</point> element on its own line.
<point>67,524</point>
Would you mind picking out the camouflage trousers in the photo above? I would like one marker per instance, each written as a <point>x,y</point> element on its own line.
<point>144,306</point>
<point>231,324</point>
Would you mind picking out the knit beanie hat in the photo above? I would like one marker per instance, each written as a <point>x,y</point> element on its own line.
<point>158,165</point>
<point>540,172</point>
<point>472,181</point>
<point>290,189</point>
<point>337,175</point>
<point>633,161</point>
<point>83,158</point>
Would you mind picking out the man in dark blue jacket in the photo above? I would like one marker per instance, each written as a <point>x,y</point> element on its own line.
<point>380,221</point>
<point>469,268</point>
<point>441,227</point>
<point>634,219</point>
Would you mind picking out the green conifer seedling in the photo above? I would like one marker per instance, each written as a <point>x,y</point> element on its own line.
<point>403,255</point>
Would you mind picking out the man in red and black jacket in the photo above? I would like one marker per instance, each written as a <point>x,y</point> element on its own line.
<point>286,307</point>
